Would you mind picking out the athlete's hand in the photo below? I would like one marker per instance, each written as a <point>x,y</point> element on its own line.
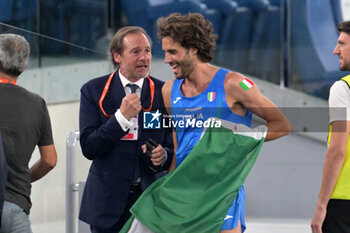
<point>130,106</point>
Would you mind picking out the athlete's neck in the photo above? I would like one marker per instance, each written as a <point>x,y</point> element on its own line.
<point>199,79</point>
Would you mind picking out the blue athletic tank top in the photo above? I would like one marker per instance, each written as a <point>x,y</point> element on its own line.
<point>186,111</point>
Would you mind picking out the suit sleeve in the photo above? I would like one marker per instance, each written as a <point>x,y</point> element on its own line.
<point>96,137</point>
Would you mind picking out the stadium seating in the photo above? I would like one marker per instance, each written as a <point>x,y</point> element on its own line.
<point>264,57</point>
<point>337,11</point>
<point>81,22</point>
<point>6,11</point>
<point>251,40</point>
<point>234,41</point>
<point>234,33</point>
<point>314,37</point>
<point>145,13</point>
<point>84,22</point>
<point>20,13</point>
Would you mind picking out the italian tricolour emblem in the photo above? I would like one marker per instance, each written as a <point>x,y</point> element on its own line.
<point>246,84</point>
<point>211,96</point>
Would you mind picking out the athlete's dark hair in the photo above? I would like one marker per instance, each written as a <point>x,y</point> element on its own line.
<point>191,31</point>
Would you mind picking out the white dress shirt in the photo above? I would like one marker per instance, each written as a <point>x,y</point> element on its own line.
<point>123,122</point>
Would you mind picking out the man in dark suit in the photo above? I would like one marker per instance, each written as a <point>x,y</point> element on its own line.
<point>118,114</point>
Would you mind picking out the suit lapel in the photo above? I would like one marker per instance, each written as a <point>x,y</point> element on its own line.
<point>145,103</point>
<point>114,96</point>
<point>145,94</point>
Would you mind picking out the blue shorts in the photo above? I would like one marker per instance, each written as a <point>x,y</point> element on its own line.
<point>236,213</point>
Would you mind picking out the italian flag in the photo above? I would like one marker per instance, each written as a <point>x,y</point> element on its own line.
<point>246,84</point>
<point>211,96</point>
<point>196,196</point>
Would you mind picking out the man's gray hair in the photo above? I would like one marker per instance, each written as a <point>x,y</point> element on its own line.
<point>14,54</point>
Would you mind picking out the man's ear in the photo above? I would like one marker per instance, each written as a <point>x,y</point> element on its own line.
<point>117,57</point>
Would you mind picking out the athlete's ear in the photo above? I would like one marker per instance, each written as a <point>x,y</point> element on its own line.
<point>194,50</point>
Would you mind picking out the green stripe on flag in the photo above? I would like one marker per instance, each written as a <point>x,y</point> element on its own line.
<point>196,196</point>
<point>245,87</point>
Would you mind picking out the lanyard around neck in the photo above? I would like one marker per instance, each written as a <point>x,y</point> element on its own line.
<point>2,80</point>
<point>106,88</point>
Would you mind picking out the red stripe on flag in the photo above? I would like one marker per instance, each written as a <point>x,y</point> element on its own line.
<point>250,81</point>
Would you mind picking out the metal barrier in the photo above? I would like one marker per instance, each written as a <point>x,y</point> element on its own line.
<point>73,187</point>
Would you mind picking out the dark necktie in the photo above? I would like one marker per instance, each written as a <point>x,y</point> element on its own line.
<point>133,87</point>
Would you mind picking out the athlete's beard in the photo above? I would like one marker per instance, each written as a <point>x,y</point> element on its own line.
<point>187,67</point>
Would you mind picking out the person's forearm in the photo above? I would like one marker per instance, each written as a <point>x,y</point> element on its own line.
<point>332,166</point>
<point>278,128</point>
<point>40,169</point>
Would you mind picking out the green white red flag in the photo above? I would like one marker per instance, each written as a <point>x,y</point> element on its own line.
<point>196,196</point>
<point>246,84</point>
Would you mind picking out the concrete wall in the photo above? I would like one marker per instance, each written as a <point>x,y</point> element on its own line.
<point>285,180</point>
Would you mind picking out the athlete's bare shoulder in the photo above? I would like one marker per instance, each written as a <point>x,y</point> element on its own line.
<point>238,85</point>
<point>168,85</point>
<point>166,92</point>
<point>233,79</point>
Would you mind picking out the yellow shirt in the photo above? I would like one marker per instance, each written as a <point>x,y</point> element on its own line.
<point>342,187</point>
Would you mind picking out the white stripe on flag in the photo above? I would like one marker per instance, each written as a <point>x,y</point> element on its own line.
<point>138,227</point>
<point>257,133</point>
<point>247,83</point>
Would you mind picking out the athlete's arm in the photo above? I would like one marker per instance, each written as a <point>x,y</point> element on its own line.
<point>166,92</point>
<point>252,99</point>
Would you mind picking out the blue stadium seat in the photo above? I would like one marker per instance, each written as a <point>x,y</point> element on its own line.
<point>81,22</point>
<point>51,25</point>
<point>25,10</point>
<point>224,9</point>
<point>6,11</point>
<point>337,11</point>
<point>212,13</point>
<point>145,13</point>
<point>314,37</point>
<point>234,41</point>
<point>217,11</point>
<point>25,16</point>
<point>20,13</point>
<point>93,14</point>
<point>253,43</point>
<point>264,57</point>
